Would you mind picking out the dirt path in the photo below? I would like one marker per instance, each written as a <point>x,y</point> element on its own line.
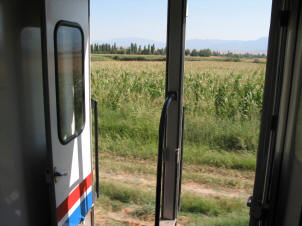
<point>118,218</point>
<point>148,181</point>
<point>191,187</point>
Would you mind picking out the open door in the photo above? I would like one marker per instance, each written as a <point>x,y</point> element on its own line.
<point>171,123</point>
<point>277,197</point>
<point>67,98</point>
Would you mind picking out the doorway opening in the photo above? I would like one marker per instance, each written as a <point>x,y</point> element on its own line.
<point>225,64</point>
<point>225,61</point>
<point>128,70</point>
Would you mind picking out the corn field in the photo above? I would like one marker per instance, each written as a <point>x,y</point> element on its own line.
<point>223,100</point>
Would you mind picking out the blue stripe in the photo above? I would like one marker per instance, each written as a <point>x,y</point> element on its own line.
<point>80,212</point>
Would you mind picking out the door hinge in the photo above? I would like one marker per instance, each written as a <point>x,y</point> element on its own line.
<point>258,210</point>
<point>284,18</point>
<point>274,122</point>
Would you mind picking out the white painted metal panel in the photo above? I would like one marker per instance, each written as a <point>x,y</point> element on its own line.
<point>73,158</point>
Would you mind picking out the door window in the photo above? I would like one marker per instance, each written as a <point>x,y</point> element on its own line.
<point>69,57</point>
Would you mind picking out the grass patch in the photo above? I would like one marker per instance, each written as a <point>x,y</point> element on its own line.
<point>239,218</point>
<point>124,133</point>
<point>219,158</point>
<point>144,212</point>
<point>208,205</point>
<point>210,210</point>
<point>126,193</point>
<point>224,134</point>
<point>114,165</point>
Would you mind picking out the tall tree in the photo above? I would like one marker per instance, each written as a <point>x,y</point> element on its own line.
<point>152,49</point>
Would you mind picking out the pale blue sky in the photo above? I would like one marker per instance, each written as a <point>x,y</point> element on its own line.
<point>207,19</point>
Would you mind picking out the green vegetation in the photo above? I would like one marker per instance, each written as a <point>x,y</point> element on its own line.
<point>121,57</point>
<point>189,203</point>
<point>135,49</point>
<point>202,52</point>
<point>132,49</point>
<point>134,57</point>
<point>222,120</point>
<point>223,101</point>
<point>197,174</point>
<point>117,196</point>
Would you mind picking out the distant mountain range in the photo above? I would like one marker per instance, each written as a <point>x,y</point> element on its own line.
<point>259,45</point>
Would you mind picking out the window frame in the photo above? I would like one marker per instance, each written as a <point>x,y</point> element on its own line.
<point>77,133</point>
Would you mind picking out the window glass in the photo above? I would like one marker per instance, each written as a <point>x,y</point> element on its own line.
<point>70,83</point>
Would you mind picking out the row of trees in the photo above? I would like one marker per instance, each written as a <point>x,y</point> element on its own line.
<point>132,49</point>
<point>239,55</point>
<point>151,50</point>
<point>202,52</point>
<point>208,52</point>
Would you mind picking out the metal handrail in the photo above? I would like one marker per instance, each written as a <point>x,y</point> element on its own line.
<point>161,137</point>
<point>94,105</point>
<point>181,156</point>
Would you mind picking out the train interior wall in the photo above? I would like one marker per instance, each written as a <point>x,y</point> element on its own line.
<point>24,196</point>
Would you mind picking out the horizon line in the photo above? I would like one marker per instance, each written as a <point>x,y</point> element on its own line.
<point>204,39</point>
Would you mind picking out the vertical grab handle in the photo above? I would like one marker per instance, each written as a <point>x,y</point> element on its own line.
<point>94,105</point>
<point>181,156</point>
<point>161,137</point>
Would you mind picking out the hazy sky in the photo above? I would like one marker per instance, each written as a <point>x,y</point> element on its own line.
<point>207,19</point>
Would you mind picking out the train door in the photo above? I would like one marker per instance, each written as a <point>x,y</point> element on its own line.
<point>277,197</point>
<point>172,119</point>
<point>67,98</point>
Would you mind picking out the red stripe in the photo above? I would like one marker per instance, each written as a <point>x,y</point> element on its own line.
<point>73,197</point>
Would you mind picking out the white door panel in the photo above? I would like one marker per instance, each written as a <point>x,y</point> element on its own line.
<point>65,19</point>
